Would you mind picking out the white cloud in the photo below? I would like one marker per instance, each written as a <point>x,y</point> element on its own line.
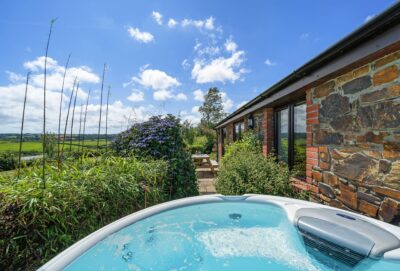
<point>227,103</point>
<point>181,97</point>
<point>12,96</point>
<point>38,64</point>
<point>230,46</point>
<point>172,23</point>
<point>136,96</point>
<point>195,109</point>
<point>55,75</point>
<point>14,77</point>
<point>268,62</point>
<point>185,64</point>
<point>139,35</point>
<point>162,95</point>
<point>194,117</point>
<point>120,117</point>
<point>11,103</point>
<point>84,74</point>
<point>239,105</point>
<point>160,82</point>
<point>220,69</point>
<point>209,50</point>
<point>197,46</point>
<point>198,95</point>
<point>369,17</point>
<point>157,17</point>
<point>207,24</point>
<point>156,79</point>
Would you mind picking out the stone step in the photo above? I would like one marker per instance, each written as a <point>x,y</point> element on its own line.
<point>204,175</point>
<point>206,179</point>
<point>205,169</point>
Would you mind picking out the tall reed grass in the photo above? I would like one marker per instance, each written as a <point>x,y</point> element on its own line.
<point>37,224</point>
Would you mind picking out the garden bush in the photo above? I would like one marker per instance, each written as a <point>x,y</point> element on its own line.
<point>210,138</point>
<point>8,161</point>
<point>38,223</point>
<point>161,138</point>
<point>245,170</point>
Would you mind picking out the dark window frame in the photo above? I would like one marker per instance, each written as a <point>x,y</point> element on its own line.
<point>241,130</point>
<point>290,107</point>
<point>223,135</point>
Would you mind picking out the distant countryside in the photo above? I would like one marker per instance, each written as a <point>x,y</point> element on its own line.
<point>32,144</point>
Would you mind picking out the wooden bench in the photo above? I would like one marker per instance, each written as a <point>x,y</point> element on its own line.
<point>199,159</point>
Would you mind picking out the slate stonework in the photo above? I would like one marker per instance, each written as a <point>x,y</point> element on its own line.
<point>358,138</point>
<point>353,139</point>
<point>357,85</point>
<point>383,115</point>
<point>390,211</point>
<point>334,105</point>
<point>357,167</point>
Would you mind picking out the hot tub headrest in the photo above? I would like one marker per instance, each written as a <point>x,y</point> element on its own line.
<point>346,230</point>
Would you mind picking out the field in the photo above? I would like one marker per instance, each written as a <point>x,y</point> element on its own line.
<point>35,147</point>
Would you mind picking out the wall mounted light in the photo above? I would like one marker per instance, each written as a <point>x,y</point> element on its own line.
<point>250,122</point>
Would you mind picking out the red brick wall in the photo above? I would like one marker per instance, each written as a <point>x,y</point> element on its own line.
<point>268,127</point>
<point>220,142</point>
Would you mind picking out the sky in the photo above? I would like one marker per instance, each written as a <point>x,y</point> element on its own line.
<point>161,56</point>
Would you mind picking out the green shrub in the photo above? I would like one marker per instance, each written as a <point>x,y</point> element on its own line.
<point>37,223</point>
<point>202,144</point>
<point>245,170</point>
<point>188,132</point>
<point>210,138</point>
<point>195,148</point>
<point>50,145</point>
<point>8,161</point>
<point>161,138</point>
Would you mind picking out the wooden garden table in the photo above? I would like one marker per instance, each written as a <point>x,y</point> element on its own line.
<point>199,158</point>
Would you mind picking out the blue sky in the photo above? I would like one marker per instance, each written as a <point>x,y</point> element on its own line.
<point>162,56</point>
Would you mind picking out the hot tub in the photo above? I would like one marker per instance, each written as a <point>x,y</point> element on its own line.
<point>250,232</point>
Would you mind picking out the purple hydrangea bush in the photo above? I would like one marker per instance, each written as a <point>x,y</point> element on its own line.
<point>161,138</point>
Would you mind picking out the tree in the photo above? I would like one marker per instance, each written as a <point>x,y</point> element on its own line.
<point>212,110</point>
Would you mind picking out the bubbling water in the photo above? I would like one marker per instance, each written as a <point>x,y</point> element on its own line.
<point>213,236</point>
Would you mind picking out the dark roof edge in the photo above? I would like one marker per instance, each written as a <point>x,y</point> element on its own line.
<point>379,23</point>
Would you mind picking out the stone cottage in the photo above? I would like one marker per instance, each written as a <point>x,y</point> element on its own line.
<point>336,121</point>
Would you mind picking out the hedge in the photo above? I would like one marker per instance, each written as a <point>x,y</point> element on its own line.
<point>38,223</point>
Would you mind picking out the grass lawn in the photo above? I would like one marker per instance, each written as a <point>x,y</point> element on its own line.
<point>32,147</point>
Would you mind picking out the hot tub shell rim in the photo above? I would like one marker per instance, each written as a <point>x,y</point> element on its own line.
<point>289,205</point>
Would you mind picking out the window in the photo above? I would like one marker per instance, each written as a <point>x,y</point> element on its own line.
<point>223,139</point>
<point>239,129</point>
<point>258,125</point>
<point>282,135</point>
<point>299,140</point>
<point>291,137</point>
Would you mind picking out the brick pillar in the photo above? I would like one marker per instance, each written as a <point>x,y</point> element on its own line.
<point>219,144</point>
<point>268,128</point>
<point>246,123</point>
<point>312,151</point>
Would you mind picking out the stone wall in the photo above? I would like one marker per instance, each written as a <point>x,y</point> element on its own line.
<point>353,140</point>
